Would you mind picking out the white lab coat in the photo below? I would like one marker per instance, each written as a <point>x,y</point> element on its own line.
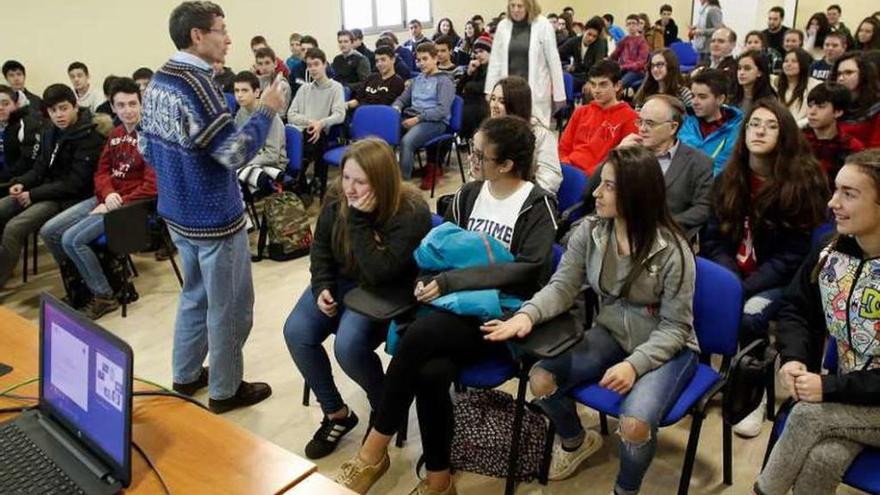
<point>545,68</point>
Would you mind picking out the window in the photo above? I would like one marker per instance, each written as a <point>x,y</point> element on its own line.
<point>374,16</point>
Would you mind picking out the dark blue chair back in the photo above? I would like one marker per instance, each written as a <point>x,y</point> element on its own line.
<point>346,93</point>
<point>830,361</point>
<point>574,182</point>
<point>381,121</point>
<point>687,56</point>
<point>231,103</point>
<point>717,308</point>
<point>456,114</point>
<point>557,255</point>
<point>436,220</point>
<point>822,231</point>
<point>294,146</point>
<point>568,82</point>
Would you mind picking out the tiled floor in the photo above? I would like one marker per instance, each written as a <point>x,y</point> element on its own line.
<point>283,419</point>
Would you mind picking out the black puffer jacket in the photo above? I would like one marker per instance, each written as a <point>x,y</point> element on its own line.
<point>21,141</point>
<point>65,167</point>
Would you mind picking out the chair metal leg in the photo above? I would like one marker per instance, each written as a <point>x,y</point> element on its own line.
<point>603,423</point>
<point>771,394</point>
<point>24,262</point>
<point>690,454</point>
<point>727,445</point>
<point>460,163</point>
<point>402,432</point>
<point>35,254</point>
<point>519,413</point>
<point>134,270</point>
<point>307,392</point>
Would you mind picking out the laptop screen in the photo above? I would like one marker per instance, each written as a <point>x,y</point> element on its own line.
<point>86,383</point>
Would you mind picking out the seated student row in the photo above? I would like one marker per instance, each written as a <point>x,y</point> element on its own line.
<point>764,121</point>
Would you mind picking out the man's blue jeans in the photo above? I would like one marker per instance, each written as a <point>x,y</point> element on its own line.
<point>215,312</point>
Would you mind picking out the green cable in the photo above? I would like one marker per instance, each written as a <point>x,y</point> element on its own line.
<point>18,385</point>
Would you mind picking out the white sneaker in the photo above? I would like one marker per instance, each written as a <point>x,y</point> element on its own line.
<point>751,425</point>
<point>563,463</point>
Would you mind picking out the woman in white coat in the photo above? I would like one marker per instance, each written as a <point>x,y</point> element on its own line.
<point>525,46</point>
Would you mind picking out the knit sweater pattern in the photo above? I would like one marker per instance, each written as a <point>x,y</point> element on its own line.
<point>188,135</point>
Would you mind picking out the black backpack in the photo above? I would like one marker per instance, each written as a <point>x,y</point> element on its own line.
<point>750,372</point>
<point>483,434</point>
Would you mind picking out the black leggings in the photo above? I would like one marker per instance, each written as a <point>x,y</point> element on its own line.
<point>429,357</point>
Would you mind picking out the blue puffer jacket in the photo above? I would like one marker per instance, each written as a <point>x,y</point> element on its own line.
<point>449,247</point>
<point>719,144</point>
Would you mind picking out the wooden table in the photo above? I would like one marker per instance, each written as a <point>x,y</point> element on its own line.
<point>317,483</point>
<point>196,451</point>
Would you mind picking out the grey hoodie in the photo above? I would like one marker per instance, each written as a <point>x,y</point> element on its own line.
<point>654,322</point>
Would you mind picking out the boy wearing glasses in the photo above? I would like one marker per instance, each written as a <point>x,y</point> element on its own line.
<point>686,171</point>
<point>596,128</point>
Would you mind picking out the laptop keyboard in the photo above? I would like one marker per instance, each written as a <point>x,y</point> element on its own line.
<point>25,469</point>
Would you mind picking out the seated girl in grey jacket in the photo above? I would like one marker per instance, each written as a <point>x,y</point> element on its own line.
<point>642,344</point>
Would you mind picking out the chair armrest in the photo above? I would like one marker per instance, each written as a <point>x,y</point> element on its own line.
<point>380,304</point>
<point>549,339</point>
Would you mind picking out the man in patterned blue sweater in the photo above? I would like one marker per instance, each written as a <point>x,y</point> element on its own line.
<point>189,137</point>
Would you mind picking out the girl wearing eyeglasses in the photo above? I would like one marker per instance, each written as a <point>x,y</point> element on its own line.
<point>664,78</point>
<point>769,198</point>
<point>834,294</point>
<point>503,204</point>
<point>862,118</point>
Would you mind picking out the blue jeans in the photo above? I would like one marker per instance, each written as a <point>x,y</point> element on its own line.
<point>650,399</point>
<point>758,311</point>
<point>215,312</point>
<point>413,140</point>
<point>631,79</point>
<point>69,234</point>
<point>356,340</point>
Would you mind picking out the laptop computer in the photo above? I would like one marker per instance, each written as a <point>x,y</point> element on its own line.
<point>78,438</point>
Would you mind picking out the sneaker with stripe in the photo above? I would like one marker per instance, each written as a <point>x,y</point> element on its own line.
<point>329,434</point>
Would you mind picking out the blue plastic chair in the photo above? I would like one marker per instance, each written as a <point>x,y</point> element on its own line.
<point>294,147</point>
<point>821,232</point>
<point>864,472</point>
<point>564,115</point>
<point>455,118</point>
<point>687,56</point>
<point>571,191</point>
<point>436,220</point>
<point>231,103</point>
<point>499,368</point>
<point>379,121</point>
<point>717,309</point>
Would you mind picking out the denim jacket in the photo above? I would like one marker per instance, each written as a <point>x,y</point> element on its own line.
<point>654,321</point>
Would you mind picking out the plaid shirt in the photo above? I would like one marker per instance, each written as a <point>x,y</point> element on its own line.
<point>831,153</point>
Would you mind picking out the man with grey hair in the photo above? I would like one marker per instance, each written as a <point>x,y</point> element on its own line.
<point>687,171</point>
<point>190,138</point>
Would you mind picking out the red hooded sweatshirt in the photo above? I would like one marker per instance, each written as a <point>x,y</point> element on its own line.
<point>593,131</point>
<point>122,169</point>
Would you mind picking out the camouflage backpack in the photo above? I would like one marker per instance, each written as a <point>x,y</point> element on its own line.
<point>286,225</point>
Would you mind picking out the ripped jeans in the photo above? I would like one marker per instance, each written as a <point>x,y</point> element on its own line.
<point>650,399</point>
